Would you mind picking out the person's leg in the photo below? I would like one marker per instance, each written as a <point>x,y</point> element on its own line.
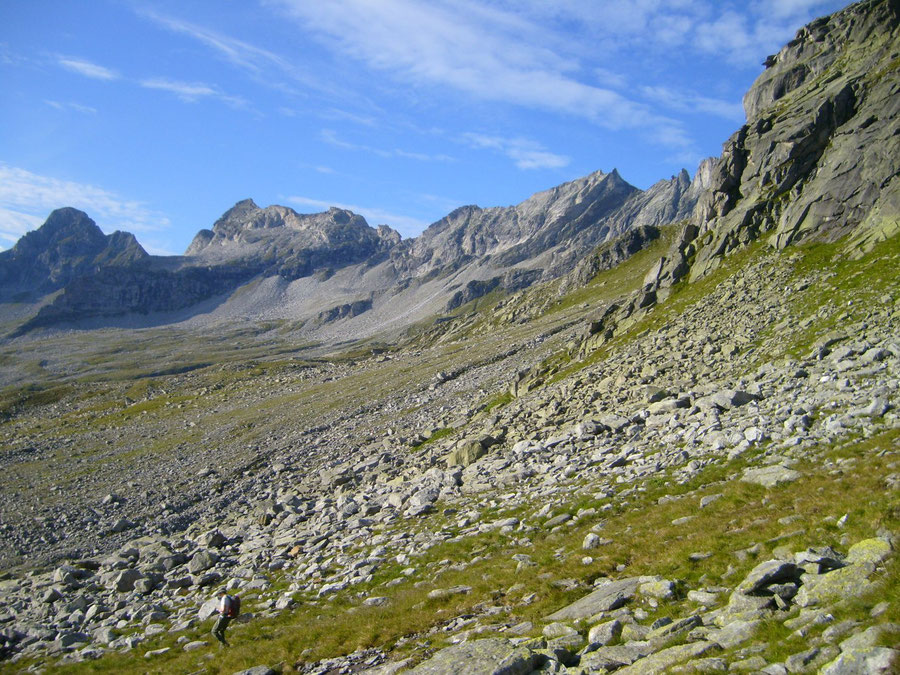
<point>225,621</point>
<point>219,629</point>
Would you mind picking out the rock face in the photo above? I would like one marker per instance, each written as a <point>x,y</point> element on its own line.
<point>818,156</point>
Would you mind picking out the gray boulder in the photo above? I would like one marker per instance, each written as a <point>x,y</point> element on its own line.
<point>607,597</point>
<point>202,561</point>
<point>771,476</point>
<point>125,580</point>
<point>768,573</point>
<point>870,661</point>
<point>493,656</point>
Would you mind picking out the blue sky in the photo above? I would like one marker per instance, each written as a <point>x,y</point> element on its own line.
<point>156,117</point>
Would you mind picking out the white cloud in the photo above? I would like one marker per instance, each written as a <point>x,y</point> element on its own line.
<point>526,153</point>
<point>26,199</point>
<point>405,225</point>
<point>236,51</point>
<point>87,69</point>
<point>77,107</point>
<point>190,92</point>
<point>783,9</point>
<point>610,78</point>
<point>482,52</point>
<point>746,35</point>
<point>264,65</point>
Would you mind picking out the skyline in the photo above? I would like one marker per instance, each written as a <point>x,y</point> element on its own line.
<point>155,118</point>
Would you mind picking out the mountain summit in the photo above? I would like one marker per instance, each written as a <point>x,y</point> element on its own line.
<point>69,245</point>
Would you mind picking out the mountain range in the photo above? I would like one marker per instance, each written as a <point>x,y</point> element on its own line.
<point>317,267</point>
<point>817,159</point>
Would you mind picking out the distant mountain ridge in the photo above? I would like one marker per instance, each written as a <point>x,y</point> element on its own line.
<point>545,235</point>
<point>818,158</point>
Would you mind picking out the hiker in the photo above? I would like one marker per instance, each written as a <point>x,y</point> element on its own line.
<point>229,608</point>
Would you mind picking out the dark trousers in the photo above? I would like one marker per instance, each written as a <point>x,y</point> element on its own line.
<point>219,629</point>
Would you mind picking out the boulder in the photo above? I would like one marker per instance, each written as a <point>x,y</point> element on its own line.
<point>124,580</point>
<point>493,656</point>
<point>663,661</point>
<point>767,573</point>
<point>660,589</point>
<point>604,633</point>
<point>848,582</point>
<point>609,596</point>
<point>771,476</point>
<point>869,661</point>
<point>202,561</point>
<point>732,398</point>
<point>208,608</point>
<point>465,453</point>
<point>873,551</point>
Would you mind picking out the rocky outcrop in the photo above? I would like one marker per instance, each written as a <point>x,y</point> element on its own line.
<point>514,280</point>
<point>818,156</point>
<point>608,255</point>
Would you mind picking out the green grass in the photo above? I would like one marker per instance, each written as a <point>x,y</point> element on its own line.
<point>849,292</point>
<point>15,400</point>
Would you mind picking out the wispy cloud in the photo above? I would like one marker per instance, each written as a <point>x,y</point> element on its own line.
<point>405,225</point>
<point>26,199</point>
<point>77,107</point>
<point>265,66</point>
<point>526,153</point>
<point>190,92</point>
<point>88,69</point>
<point>236,51</point>
<point>468,48</point>
<point>741,32</point>
<point>332,138</point>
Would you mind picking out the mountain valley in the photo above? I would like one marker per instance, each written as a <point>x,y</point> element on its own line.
<point>604,430</point>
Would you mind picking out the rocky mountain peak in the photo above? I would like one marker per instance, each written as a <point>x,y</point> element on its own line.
<point>239,212</point>
<point>68,245</point>
<point>66,227</point>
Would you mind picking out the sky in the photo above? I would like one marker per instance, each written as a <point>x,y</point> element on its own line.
<point>156,117</point>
